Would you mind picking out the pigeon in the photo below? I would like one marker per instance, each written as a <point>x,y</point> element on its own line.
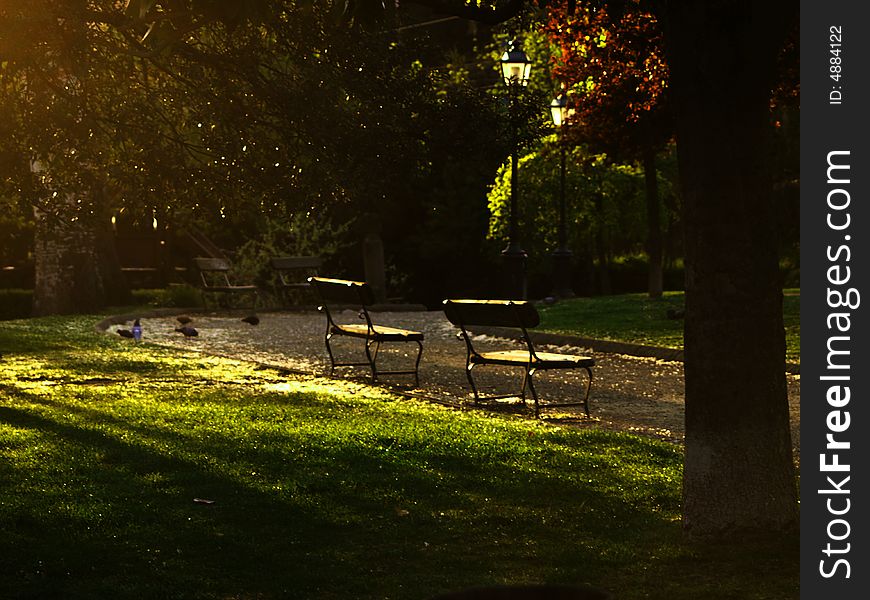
<point>187,331</point>
<point>125,333</point>
<point>183,319</point>
<point>137,330</point>
<point>252,319</point>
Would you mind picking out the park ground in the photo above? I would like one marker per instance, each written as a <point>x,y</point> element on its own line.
<point>145,471</point>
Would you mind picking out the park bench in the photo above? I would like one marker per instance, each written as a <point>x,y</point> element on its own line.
<point>293,273</point>
<point>341,294</point>
<point>518,315</point>
<point>215,279</point>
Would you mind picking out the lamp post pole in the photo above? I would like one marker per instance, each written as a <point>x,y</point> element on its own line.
<point>562,256</point>
<point>515,69</point>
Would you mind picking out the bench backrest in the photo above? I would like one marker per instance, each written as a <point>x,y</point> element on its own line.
<point>214,272</point>
<point>289,263</point>
<point>343,291</point>
<point>211,264</point>
<point>492,313</point>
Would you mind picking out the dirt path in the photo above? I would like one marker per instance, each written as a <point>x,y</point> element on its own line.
<point>642,395</point>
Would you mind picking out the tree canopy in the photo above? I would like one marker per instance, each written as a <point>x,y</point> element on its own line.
<point>202,113</point>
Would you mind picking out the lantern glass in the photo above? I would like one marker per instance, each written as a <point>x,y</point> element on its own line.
<point>515,65</point>
<point>559,110</point>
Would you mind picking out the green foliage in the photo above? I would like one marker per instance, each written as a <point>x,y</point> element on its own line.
<point>235,121</point>
<point>15,304</point>
<point>600,197</point>
<point>302,234</point>
<point>333,489</point>
<point>439,237</point>
<point>178,296</point>
<point>16,230</point>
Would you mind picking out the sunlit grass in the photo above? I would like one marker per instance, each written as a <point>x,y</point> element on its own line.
<point>320,488</point>
<point>636,319</point>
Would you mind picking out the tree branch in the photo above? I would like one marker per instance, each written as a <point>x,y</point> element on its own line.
<point>489,15</point>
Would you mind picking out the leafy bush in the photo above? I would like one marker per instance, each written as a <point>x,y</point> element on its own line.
<point>181,296</point>
<point>15,304</point>
<point>308,233</point>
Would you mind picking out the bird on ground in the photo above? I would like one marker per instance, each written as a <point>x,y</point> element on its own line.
<point>187,331</point>
<point>252,319</point>
<point>137,330</point>
<point>125,333</point>
<point>183,319</point>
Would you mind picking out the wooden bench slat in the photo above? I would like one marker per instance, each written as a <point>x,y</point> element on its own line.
<point>343,291</point>
<point>379,332</point>
<point>492,313</point>
<point>211,264</point>
<point>540,360</point>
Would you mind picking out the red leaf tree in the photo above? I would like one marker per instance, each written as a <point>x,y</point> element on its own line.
<point>611,64</point>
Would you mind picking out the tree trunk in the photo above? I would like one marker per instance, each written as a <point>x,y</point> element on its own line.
<point>64,264</point>
<point>601,249</point>
<point>654,227</point>
<point>739,471</point>
<point>76,268</point>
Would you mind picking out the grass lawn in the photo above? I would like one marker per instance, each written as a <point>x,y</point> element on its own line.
<point>637,319</point>
<point>321,489</point>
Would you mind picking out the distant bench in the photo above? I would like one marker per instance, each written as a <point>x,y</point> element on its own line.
<point>294,271</point>
<point>215,279</point>
<point>518,315</point>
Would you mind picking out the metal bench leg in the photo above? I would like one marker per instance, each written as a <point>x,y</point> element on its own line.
<point>529,374</point>
<point>588,389</point>
<point>331,357</point>
<point>417,364</point>
<point>468,369</point>
<point>373,357</point>
<point>526,382</point>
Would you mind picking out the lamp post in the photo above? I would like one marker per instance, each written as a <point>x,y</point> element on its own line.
<point>560,112</point>
<point>516,68</point>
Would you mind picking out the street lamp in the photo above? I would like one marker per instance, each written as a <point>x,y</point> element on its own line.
<point>516,68</point>
<point>515,65</point>
<point>561,255</point>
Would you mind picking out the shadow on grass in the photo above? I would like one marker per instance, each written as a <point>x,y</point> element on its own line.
<point>324,496</point>
<point>369,515</point>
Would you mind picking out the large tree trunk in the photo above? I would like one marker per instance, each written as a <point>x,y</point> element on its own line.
<point>739,471</point>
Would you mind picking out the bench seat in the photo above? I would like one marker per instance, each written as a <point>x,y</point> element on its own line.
<point>540,360</point>
<point>385,334</point>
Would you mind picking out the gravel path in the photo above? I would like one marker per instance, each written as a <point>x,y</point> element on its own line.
<point>643,395</point>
